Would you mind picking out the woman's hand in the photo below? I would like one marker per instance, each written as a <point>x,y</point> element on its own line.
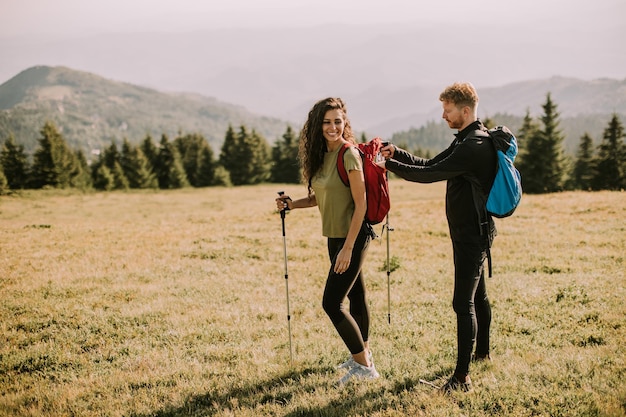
<point>284,202</point>
<point>342,263</point>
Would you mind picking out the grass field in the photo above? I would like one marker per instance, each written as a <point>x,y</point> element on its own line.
<point>173,304</point>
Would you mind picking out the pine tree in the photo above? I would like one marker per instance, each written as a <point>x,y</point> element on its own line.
<point>103,179</point>
<point>259,161</point>
<point>584,169</point>
<point>169,168</point>
<point>120,182</point>
<point>144,174</point>
<point>611,158</point>
<point>81,177</point>
<point>111,155</point>
<point>553,138</point>
<point>524,134</point>
<point>191,148</point>
<point>238,155</point>
<point>97,173</point>
<point>53,161</point>
<point>207,168</point>
<point>543,164</point>
<point>150,151</point>
<point>161,163</point>
<point>136,167</point>
<point>221,177</point>
<point>112,159</point>
<point>230,152</point>
<point>127,162</point>
<point>285,168</point>
<point>4,184</point>
<point>15,163</point>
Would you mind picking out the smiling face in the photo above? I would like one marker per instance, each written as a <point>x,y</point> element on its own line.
<point>333,126</point>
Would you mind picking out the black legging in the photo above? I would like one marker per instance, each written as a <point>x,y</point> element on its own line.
<point>353,327</point>
<point>471,305</point>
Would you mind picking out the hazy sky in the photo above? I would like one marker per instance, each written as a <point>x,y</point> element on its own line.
<point>417,43</point>
<point>71,17</point>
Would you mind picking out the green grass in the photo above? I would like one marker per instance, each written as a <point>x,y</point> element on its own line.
<point>173,304</point>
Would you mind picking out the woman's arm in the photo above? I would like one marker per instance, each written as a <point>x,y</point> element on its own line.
<point>285,201</point>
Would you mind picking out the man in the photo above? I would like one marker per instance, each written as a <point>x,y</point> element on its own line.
<point>469,159</point>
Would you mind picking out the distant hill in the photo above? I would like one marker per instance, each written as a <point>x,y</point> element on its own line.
<point>413,107</point>
<point>583,107</point>
<point>435,136</point>
<point>92,111</point>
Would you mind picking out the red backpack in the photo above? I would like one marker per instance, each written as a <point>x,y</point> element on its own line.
<point>376,185</point>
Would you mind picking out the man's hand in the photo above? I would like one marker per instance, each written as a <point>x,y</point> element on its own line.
<point>388,151</point>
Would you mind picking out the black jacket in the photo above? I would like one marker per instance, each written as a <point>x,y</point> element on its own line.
<point>468,157</point>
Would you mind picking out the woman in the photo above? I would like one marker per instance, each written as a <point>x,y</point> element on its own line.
<point>342,209</point>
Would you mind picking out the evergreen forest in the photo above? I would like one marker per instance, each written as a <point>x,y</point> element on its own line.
<point>246,158</point>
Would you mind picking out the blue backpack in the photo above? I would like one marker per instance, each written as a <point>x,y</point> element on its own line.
<point>506,191</point>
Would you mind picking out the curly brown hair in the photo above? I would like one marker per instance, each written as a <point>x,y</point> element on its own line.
<point>461,94</point>
<point>312,143</point>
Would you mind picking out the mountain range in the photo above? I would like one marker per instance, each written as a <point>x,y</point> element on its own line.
<point>390,75</point>
<point>92,111</point>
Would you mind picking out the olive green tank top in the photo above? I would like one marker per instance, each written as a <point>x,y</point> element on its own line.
<point>334,199</point>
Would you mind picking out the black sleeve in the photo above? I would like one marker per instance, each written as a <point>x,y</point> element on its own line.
<point>452,162</point>
<point>405,157</point>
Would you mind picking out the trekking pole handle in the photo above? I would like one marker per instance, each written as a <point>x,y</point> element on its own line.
<point>286,208</point>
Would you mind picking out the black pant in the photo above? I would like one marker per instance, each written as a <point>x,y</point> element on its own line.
<point>353,327</point>
<point>471,305</point>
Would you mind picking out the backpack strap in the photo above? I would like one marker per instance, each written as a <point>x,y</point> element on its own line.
<point>480,202</point>
<point>341,168</point>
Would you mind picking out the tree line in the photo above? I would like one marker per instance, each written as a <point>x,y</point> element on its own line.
<point>246,158</point>
<point>542,161</point>
<point>187,160</point>
<point>546,168</point>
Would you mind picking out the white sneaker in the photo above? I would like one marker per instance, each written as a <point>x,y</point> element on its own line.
<point>359,371</point>
<point>347,364</point>
<point>351,362</point>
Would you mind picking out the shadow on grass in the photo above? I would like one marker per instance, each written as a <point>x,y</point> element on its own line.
<point>281,389</point>
<point>359,402</point>
<point>278,390</point>
<point>363,403</point>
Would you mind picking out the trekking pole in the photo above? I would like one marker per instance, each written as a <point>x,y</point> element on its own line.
<point>282,217</point>
<point>389,229</point>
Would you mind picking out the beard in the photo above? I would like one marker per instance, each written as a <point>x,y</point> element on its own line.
<point>455,123</point>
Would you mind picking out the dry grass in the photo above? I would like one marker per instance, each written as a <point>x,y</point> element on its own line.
<point>173,304</point>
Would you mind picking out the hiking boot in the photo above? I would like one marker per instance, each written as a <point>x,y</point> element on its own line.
<point>454,384</point>
<point>351,362</point>
<point>359,371</point>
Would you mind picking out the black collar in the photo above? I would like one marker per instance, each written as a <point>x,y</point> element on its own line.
<point>477,125</point>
